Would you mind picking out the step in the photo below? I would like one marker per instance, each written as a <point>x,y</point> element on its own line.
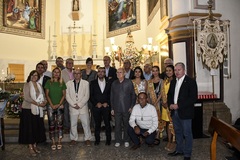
<point>11,131</point>
<point>11,136</point>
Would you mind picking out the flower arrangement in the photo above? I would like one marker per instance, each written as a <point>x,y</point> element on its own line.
<point>4,94</point>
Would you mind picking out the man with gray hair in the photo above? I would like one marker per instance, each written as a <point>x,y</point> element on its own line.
<point>122,100</point>
<point>67,75</point>
<point>167,62</point>
<point>147,71</point>
<point>77,95</point>
<point>181,97</point>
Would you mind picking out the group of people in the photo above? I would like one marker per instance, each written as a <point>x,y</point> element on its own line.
<point>142,104</point>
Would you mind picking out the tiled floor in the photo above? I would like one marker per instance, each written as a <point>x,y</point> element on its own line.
<point>14,151</point>
<point>201,151</point>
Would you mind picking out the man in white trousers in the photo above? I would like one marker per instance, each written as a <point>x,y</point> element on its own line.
<point>77,95</point>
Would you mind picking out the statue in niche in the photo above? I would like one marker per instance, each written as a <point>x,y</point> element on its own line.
<point>75,5</point>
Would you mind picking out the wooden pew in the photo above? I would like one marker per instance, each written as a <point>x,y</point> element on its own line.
<point>226,131</point>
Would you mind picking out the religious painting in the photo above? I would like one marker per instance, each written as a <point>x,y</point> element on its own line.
<point>163,9</point>
<point>152,8</point>
<point>23,17</point>
<point>122,16</point>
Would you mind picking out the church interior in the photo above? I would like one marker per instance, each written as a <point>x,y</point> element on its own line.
<point>146,31</point>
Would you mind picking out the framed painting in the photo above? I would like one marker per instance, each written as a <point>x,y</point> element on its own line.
<point>163,9</point>
<point>198,5</point>
<point>23,17</point>
<point>152,8</point>
<point>122,16</point>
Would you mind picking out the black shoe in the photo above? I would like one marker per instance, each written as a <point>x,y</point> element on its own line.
<point>157,141</point>
<point>165,139</point>
<point>175,153</point>
<point>108,143</point>
<point>151,145</point>
<point>66,131</point>
<point>187,158</point>
<point>134,147</point>
<point>96,143</point>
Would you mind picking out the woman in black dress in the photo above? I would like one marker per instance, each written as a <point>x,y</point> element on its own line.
<point>31,129</point>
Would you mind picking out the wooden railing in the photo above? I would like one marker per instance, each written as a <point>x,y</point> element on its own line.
<point>226,131</point>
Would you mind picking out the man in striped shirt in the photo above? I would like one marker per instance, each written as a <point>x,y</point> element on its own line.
<point>143,122</point>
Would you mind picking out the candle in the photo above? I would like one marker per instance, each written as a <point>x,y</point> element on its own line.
<point>54,27</point>
<point>91,31</point>
<point>49,33</point>
<point>94,27</point>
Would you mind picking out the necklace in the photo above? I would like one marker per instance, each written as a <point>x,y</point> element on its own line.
<point>142,111</point>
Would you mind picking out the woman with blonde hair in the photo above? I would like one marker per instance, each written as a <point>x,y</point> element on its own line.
<point>55,90</point>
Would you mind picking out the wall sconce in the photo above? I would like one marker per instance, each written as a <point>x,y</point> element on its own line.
<point>149,50</point>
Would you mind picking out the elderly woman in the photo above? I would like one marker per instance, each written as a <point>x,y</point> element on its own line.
<point>31,130</point>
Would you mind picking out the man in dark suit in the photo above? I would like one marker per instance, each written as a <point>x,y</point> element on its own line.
<point>182,95</point>
<point>43,78</point>
<point>100,98</point>
<point>111,73</point>
<point>128,71</point>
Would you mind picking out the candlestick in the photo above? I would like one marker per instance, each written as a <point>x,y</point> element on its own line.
<point>103,40</point>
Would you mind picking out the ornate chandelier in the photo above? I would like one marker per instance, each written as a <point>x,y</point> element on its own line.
<point>131,53</point>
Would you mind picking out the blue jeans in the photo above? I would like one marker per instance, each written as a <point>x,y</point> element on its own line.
<point>135,137</point>
<point>183,132</point>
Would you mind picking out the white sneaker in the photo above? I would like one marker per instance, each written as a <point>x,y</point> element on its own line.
<point>126,144</point>
<point>117,144</point>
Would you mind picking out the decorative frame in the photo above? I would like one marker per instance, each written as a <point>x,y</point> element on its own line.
<point>127,22</point>
<point>13,22</point>
<point>163,9</point>
<point>199,6</point>
<point>152,8</point>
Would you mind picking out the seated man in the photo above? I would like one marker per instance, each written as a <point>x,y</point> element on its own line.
<point>143,122</point>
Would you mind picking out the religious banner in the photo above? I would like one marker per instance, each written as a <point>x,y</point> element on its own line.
<point>212,42</point>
